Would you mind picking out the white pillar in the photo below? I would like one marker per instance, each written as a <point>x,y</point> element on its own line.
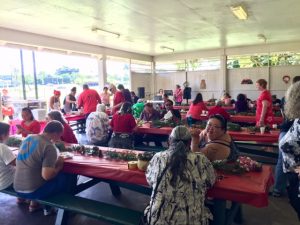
<point>102,71</point>
<point>223,71</point>
<point>153,80</point>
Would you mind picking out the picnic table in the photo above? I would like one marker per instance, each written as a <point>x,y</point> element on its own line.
<point>250,188</point>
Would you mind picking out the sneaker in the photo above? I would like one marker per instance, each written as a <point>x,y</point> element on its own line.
<point>276,194</point>
<point>49,211</point>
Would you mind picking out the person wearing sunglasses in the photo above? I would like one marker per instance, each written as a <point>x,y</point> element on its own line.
<point>214,142</point>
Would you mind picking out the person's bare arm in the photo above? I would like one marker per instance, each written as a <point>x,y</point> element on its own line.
<point>48,172</point>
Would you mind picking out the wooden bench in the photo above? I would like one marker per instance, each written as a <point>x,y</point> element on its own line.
<point>91,208</point>
<point>149,148</point>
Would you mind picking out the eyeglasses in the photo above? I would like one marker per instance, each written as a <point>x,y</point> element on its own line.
<point>213,126</point>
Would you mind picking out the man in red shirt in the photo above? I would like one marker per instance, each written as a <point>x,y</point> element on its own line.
<point>118,98</point>
<point>218,110</point>
<point>88,99</point>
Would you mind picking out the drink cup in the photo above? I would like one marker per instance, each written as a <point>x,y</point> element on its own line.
<point>262,130</point>
<point>274,126</point>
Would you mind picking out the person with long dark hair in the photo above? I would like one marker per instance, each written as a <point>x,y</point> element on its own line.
<point>196,109</point>
<point>123,125</point>
<point>68,135</point>
<point>28,125</point>
<point>241,105</point>
<point>179,179</point>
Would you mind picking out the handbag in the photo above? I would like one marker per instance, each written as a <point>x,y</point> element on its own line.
<point>143,220</point>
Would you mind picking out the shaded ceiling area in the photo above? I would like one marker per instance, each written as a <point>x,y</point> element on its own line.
<point>145,26</point>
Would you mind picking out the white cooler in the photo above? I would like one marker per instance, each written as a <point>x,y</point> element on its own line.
<point>39,114</point>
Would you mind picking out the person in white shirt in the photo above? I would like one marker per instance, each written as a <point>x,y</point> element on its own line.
<point>7,159</point>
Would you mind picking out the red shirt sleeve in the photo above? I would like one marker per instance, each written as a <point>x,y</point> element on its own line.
<point>68,135</point>
<point>35,127</point>
<point>80,102</point>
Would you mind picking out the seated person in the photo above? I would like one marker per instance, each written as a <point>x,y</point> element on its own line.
<point>38,166</point>
<point>28,125</point>
<point>138,108</point>
<point>196,109</point>
<point>97,126</point>
<point>241,105</point>
<point>275,100</point>
<point>226,99</point>
<point>123,125</point>
<point>179,179</point>
<point>149,113</point>
<point>214,142</point>
<point>169,113</point>
<point>219,110</point>
<point>68,135</point>
<point>7,159</point>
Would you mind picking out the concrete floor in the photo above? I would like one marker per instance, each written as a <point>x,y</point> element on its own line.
<point>278,212</point>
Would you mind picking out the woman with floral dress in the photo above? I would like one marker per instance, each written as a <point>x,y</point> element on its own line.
<point>184,178</point>
<point>289,145</point>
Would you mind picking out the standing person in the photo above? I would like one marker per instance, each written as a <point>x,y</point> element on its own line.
<point>97,127</point>
<point>126,93</point>
<point>118,98</point>
<point>138,108</point>
<point>70,101</point>
<point>179,179</point>
<point>88,99</point>
<point>123,125</point>
<point>28,125</point>
<point>38,166</point>
<point>289,145</point>
<point>280,176</point>
<point>134,98</point>
<point>196,109</point>
<point>264,113</point>
<point>7,107</point>
<point>105,96</point>
<point>178,95</point>
<point>54,103</point>
<point>7,159</point>
<point>68,135</point>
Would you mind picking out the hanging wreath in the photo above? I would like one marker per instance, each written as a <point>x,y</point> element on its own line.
<point>286,79</point>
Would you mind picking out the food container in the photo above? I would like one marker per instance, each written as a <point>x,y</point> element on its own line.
<point>132,165</point>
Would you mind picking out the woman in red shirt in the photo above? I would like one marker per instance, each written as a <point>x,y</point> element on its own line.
<point>28,125</point>
<point>218,110</point>
<point>68,134</point>
<point>123,125</point>
<point>264,113</point>
<point>196,109</point>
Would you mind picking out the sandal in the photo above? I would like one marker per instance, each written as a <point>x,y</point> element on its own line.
<point>33,207</point>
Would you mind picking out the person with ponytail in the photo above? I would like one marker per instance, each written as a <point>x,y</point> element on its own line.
<point>179,179</point>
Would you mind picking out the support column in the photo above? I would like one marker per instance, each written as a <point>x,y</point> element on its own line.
<point>102,71</point>
<point>223,72</point>
<point>153,80</point>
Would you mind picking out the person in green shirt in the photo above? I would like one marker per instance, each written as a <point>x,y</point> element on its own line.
<point>138,108</point>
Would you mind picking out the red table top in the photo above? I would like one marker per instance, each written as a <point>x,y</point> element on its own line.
<point>186,107</point>
<point>239,119</point>
<point>74,117</point>
<point>250,188</point>
<point>243,135</point>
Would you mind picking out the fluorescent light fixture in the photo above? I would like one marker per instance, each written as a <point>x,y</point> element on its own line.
<point>239,11</point>
<point>167,48</point>
<point>105,32</point>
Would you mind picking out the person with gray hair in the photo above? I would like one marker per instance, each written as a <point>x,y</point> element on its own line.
<point>289,145</point>
<point>97,127</point>
<point>179,179</point>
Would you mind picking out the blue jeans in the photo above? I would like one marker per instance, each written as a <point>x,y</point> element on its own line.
<point>280,176</point>
<point>51,187</point>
